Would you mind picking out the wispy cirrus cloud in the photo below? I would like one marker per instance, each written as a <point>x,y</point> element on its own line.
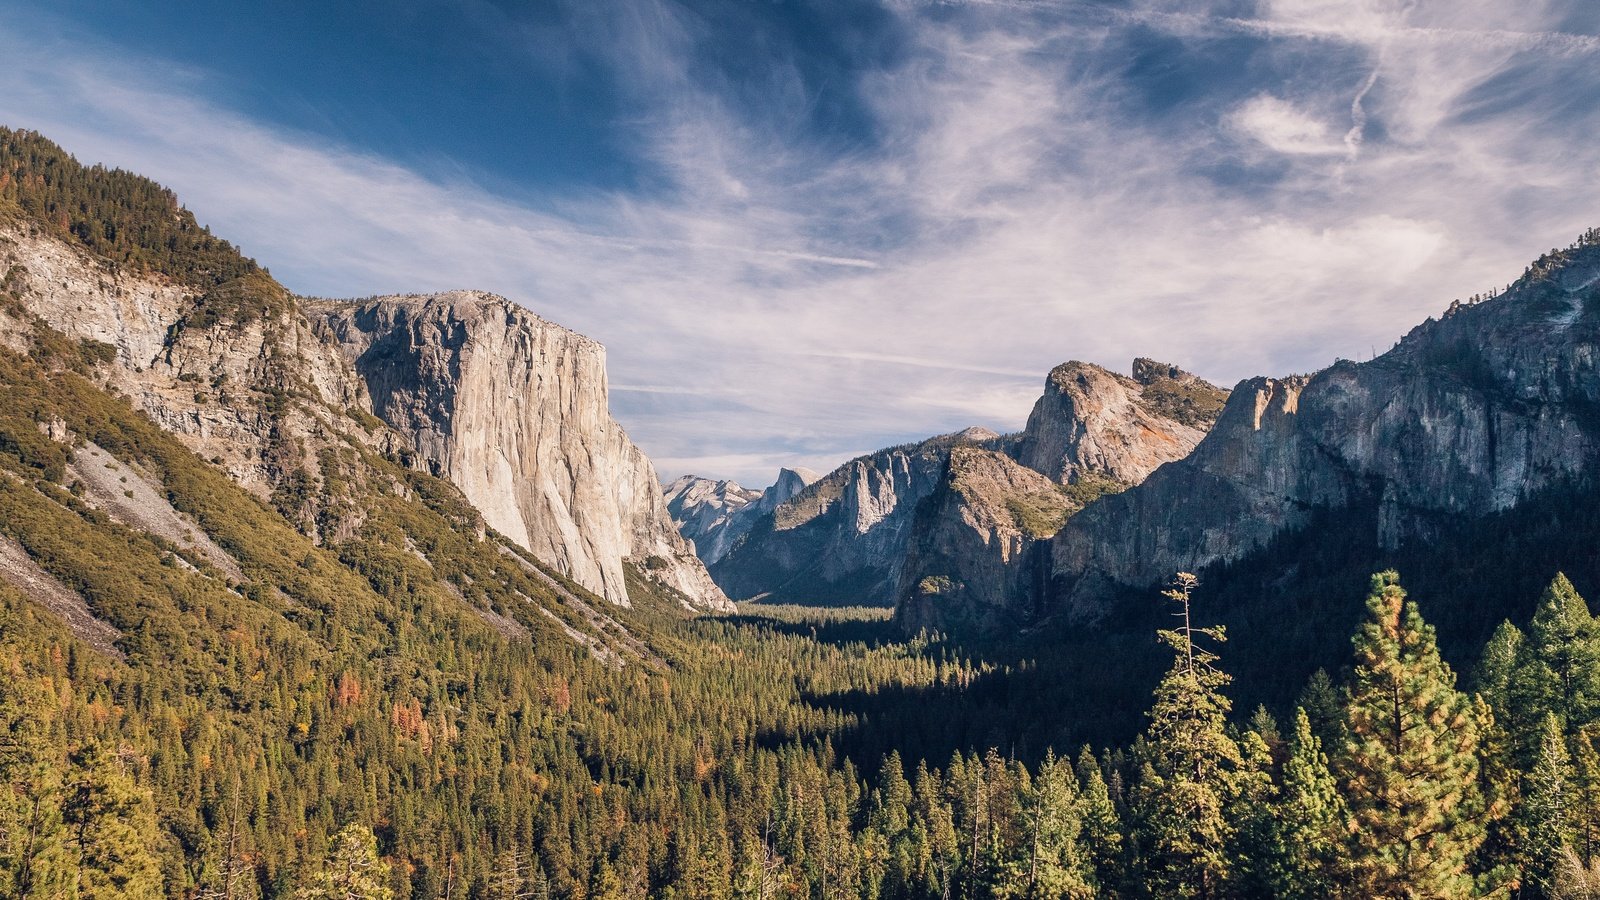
<point>1034,182</point>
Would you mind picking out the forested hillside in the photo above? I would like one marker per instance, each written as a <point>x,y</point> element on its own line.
<point>208,695</point>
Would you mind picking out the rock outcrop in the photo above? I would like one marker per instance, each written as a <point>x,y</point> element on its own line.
<point>271,388</point>
<point>713,515</point>
<point>841,539</point>
<point>979,560</point>
<point>1468,415</point>
<point>513,410</point>
<point>972,563</point>
<point>1094,421</point>
<point>706,511</point>
<point>946,529</point>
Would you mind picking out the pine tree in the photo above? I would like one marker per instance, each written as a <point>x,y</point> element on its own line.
<point>1324,707</point>
<point>1546,809</point>
<point>1190,776</point>
<point>1560,666</point>
<point>1586,796</point>
<point>1408,767</point>
<point>111,829</point>
<point>1497,668</point>
<point>1102,826</point>
<point>1049,861</point>
<point>1254,814</point>
<point>353,870</point>
<point>1308,820</point>
<point>34,858</point>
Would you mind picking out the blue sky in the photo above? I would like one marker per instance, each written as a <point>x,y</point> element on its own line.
<point>808,228</point>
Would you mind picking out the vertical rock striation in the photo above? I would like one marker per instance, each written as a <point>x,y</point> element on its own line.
<point>1468,415</point>
<point>510,408</point>
<point>513,410</point>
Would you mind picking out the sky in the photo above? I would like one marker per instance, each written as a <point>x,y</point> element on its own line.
<point>805,229</point>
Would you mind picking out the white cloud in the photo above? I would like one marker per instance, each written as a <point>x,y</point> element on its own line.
<point>787,304</point>
<point>1283,128</point>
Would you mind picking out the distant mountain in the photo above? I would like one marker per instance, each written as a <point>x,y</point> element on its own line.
<point>937,527</point>
<point>1470,416</point>
<point>713,515</point>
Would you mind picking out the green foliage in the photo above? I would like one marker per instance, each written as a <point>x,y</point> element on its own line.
<point>1192,402</point>
<point>1408,766</point>
<point>1192,770</point>
<point>1304,861</point>
<point>1089,488</point>
<point>120,216</point>
<point>1038,515</point>
<point>1559,667</point>
<point>352,870</point>
<point>1546,807</point>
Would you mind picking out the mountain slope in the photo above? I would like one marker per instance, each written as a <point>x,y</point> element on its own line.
<point>261,383</point>
<point>1469,415</point>
<point>714,515</point>
<point>918,528</point>
<point>840,539</point>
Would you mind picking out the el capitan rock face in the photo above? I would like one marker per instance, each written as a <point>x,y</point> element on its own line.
<point>513,410</point>
<point>264,384</point>
<point>1468,415</point>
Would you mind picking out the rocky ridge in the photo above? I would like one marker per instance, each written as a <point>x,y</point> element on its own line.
<point>946,528</point>
<point>1468,415</point>
<point>252,379</point>
<point>713,515</point>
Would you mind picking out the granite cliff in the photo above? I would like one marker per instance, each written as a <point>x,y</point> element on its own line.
<point>979,557</point>
<point>841,539</point>
<point>512,409</point>
<point>713,515</point>
<point>1468,416</point>
<point>285,393</point>
<point>947,529</point>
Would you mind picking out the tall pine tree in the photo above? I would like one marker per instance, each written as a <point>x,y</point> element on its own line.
<point>1408,766</point>
<point>1191,768</point>
<point>1547,798</point>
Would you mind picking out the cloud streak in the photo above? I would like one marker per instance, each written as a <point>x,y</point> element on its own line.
<point>1027,196</point>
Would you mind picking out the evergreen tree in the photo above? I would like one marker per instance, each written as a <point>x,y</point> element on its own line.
<point>1324,707</point>
<point>111,829</point>
<point>1102,826</point>
<point>1308,819</point>
<point>1586,796</point>
<point>1254,814</point>
<point>1545,810</point>
<point>34,861</point>
<point>352,871</point>
<point>1190,776</point>
<point>1497,668</point>
<point>1564,669</point>
<point>1408,767</point>
<point>1050,859</point>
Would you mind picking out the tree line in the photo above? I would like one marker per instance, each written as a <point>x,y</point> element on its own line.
<point>1395,783</point>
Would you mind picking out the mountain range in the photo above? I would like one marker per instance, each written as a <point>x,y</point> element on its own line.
<point>296,589</point>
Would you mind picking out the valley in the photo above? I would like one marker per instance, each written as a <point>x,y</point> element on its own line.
<point>374,598</point>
